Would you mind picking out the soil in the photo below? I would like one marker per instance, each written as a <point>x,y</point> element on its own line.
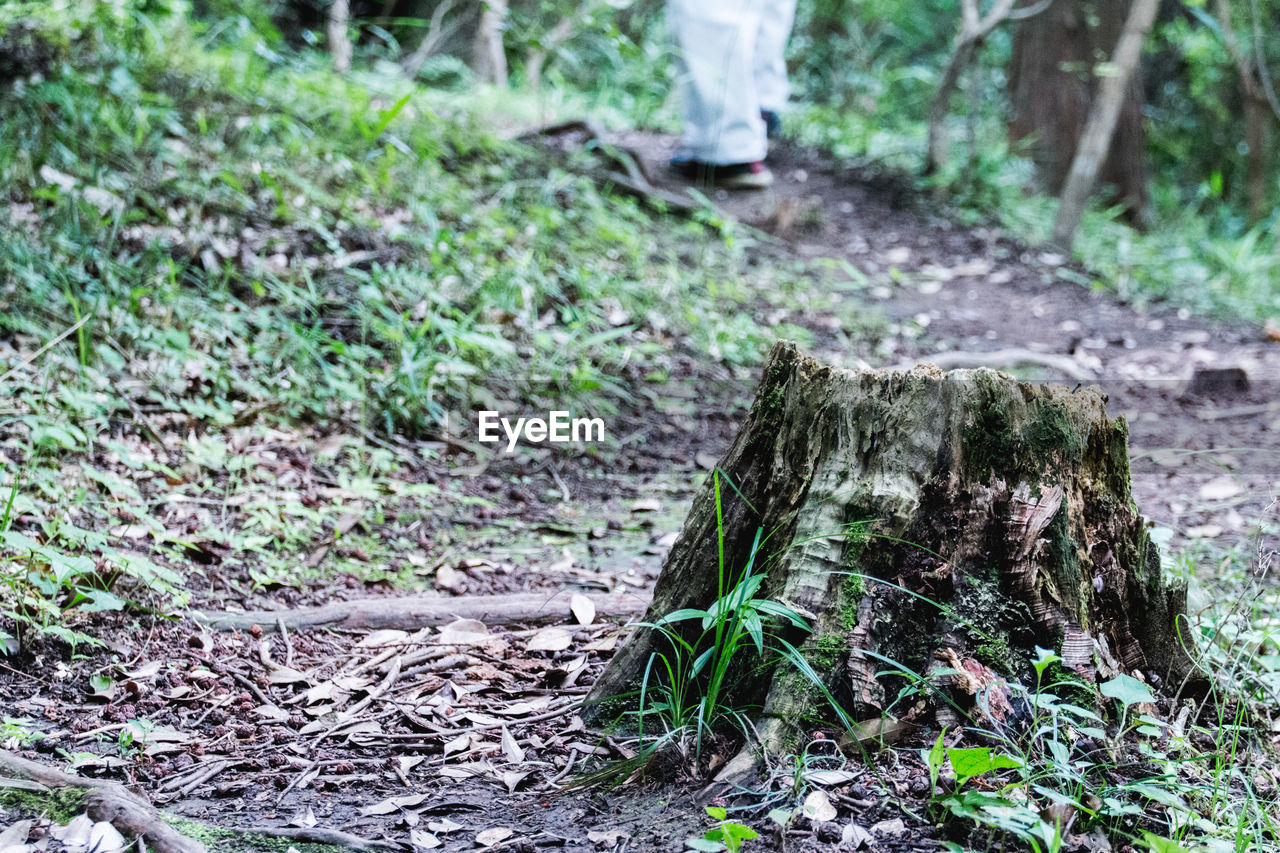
<point>247,737</point>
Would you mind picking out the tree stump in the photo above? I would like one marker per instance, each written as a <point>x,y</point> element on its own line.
<point>923,517</point>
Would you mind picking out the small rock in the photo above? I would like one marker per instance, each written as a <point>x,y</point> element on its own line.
<point>1218,382</point>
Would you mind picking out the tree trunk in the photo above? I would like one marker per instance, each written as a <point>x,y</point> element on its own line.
<point>1053,75</point>
<point>1095,140</point>
<point>973,32</point>
<point>920,516</point>
<point>339,16</point>
<point>488,58</point>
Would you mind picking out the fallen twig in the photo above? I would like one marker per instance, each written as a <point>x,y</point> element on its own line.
<point>315,835</point>
<point>422,611</point>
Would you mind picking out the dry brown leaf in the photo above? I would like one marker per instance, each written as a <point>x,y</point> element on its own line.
<point>584,610</point>
<point>550,639</point>
<point>510,748</point>
<point>463,632</point>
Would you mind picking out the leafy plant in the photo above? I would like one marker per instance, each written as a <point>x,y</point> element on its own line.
<point>687,693</point>
<point>726,835</point>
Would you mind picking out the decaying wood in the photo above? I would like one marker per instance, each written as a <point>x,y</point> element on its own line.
<point>928,518</point>
<point>423,611</point>
<point>109,801</point>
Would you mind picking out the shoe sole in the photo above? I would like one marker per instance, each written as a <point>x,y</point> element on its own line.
<point>760,181</point>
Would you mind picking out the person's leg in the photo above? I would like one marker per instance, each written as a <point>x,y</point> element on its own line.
<point>715,42</point>
<point>770,68</point>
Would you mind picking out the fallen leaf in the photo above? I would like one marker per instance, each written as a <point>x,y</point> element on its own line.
<point>16,834</point>
<point>394,804</point>
<point>423,840</point>
<point>606,838</point>
<point>385,637</point>
<point>463,632</point>
<point>550,639</point>
<point>646,505</point>
<point>458,744</point>
<point>274,713</point>
<point>304,818</point>
<point>830,777</point>
<point>449,578</point>
<point>818,808</point>
<point>584,610</point>
<point>855,837</point>
<point>1220,489</point>
<point>444,825</point>
<point>510,748</point>
<point>285,675</point>
<point>490,837</point>
<point>893,826</point>
<point>513,778</point>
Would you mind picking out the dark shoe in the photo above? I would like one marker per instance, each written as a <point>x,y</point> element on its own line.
<point>732,176</point>
<point>772,124</point>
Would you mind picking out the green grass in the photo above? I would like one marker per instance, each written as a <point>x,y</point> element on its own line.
<point>217,243</point>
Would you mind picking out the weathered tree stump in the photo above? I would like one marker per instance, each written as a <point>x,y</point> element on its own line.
<point>919,516</point>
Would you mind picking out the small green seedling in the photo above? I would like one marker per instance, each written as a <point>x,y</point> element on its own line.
<point>729,835</point>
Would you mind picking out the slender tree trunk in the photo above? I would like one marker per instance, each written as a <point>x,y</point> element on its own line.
<point>339,16</point>
<point>537,57</point>
<point>1257,114</point>
<point>489,59</point>
<point>919,517</point>
<point>973,32</point>
<point>1100,128</point>
<point>1052,80</point>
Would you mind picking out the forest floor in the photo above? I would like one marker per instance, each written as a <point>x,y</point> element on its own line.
<point>469,737</point>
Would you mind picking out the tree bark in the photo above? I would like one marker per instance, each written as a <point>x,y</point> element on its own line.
<point>920,516</point>
<point>488,57</point>
<point>1095,140</point>
<point>339,16</point>
<point>1052,81</point>
<point>1257,112</point>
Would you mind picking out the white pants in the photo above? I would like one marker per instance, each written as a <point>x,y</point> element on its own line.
<point>731,67</point>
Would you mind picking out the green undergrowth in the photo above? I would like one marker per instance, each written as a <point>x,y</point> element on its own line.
<point>224,263</point>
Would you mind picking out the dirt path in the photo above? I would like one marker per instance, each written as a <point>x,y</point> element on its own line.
<point>474,732</point>
<point>1206,456</point>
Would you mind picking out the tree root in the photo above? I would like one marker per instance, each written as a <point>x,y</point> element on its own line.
<point>420,611</point>
<point>109,801</point>
<point>135,817</point>
<point>628,172</point>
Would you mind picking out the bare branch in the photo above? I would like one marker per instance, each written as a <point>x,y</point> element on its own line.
<point>436,33</point>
